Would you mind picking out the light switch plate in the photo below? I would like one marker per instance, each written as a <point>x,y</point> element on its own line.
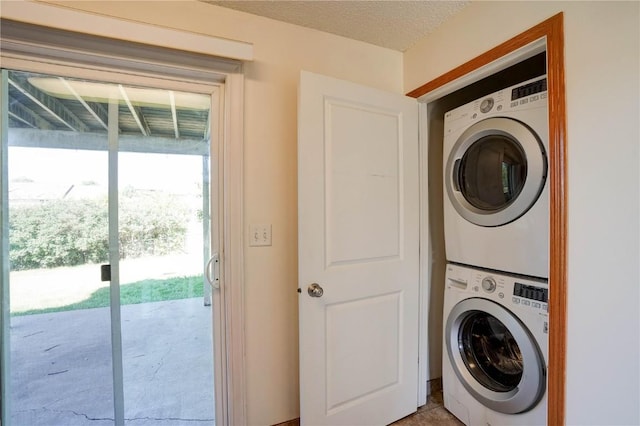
<point>259,235</point>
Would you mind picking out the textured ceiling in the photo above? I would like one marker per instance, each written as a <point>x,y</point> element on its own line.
<point>394,24</point>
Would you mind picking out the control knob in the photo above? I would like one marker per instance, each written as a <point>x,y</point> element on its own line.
<point>486,105</point>
<point>489,284</point>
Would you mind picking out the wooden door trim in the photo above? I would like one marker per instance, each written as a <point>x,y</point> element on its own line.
<point>553,30</point>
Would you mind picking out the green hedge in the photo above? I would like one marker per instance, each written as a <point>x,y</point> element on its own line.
<point>73,232</point>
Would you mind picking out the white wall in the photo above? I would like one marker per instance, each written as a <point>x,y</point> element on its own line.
<point>270,196</point>
<point>602,57</point>
<point>602,54</point>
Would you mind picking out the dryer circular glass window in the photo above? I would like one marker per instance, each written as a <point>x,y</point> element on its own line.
<point>496,171</point>
<point>492,172</point>
<point>494,356</point>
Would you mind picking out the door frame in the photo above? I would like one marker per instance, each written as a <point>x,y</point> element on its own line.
<point>550,34</point>
<point>55,52</point>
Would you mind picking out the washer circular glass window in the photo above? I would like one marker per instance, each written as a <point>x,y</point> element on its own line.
<point>496,171</point>
<point>490,352</point>
<point>494,356</point>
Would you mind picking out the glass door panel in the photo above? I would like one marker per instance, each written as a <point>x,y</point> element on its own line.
<point>92,166</point>
<point>163,215</point>
<point>60,326</point>
<point>162,288</point>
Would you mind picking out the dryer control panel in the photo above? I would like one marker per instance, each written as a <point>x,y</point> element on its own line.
<point>529,89</point>
<point>527,95</point>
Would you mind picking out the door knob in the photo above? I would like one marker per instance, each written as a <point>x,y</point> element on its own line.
<point>315,290</point>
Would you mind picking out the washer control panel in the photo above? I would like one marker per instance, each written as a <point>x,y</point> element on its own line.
<point>531,292</point>
<point>529,295</point>
<point>518,291</point>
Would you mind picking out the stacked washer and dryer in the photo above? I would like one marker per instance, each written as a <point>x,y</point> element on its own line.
<point>496,222</point>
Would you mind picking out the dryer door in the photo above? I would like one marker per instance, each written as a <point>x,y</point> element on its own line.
<point>494,356</point>
<point>496,171</point>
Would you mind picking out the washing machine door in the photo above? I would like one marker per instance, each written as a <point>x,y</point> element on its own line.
<point>494,356</point>
<point>496,171</point>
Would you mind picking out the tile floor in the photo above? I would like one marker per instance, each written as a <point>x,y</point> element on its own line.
<point>432,413</point>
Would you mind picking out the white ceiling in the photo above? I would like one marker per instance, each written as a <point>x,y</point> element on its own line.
<point>394,24</point>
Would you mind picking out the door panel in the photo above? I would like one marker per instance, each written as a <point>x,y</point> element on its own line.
<point>363,190</point>
<point>60,335</point>
<point>379,351</point>
<point>161,289</point>
<point>358,239</point>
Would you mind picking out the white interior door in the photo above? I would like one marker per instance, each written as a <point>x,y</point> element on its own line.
<point>358,218</point>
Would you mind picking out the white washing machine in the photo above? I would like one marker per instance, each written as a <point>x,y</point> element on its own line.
<point>496,202</point>
<point>495,347</point>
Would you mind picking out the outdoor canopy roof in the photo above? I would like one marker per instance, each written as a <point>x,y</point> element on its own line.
<point>79,108</point>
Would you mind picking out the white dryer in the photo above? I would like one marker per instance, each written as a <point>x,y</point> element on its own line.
<point>496,207</point>
<point>495,347</point>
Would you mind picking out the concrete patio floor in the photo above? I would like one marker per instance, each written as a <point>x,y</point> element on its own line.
<point>61,368</point>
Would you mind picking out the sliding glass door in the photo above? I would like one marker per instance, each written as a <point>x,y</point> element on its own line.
<point>60,345</point>
<point>106,313</point>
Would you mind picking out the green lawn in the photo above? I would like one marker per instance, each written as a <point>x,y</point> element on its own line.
<point>133,293</point>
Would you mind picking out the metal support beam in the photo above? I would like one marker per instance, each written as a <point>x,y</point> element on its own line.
<point>114,260</point>
<point>22,120</point>
<point>172,101</point>
<point>100,110</point>
<point>98,142</point>
<point>134,111</point>
<point>101,120</point>
<point>52,106</point>
<point>27,116</point>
